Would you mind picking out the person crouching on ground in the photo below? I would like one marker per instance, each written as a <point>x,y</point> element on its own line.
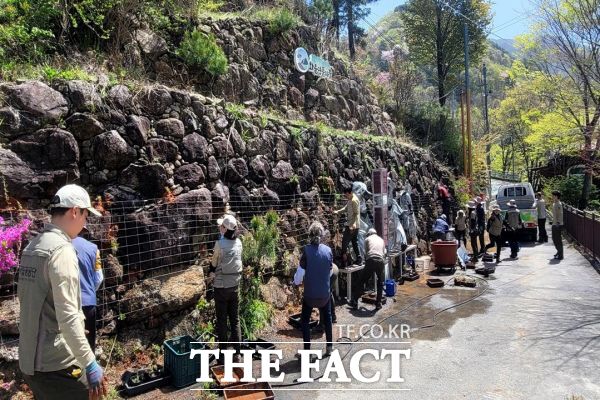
<point>227,267</point>
<point>440,228</point>
<point>53,348</point>
<point>460,227</point>
<point>352,226</point>
<point>317,261</point>
<point>375,264</point>
<point>494,228</point>
<point>513,223</point>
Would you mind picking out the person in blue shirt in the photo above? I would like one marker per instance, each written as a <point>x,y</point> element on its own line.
<point>440,228</point>
<point>90,279</point>
<point>317,262</point>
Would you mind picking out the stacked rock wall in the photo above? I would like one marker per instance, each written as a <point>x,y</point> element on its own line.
<point>262,74</point>
<point>132,146</point>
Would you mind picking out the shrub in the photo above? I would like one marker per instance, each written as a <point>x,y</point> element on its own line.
<point>20,42</point>
<point>260,243</point>
<point>201,50</point>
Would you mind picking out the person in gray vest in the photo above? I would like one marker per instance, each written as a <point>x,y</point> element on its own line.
<point>53,349</point>
<point>557,225</point>
<point>227,266</point>
<point>494,228</point>
<point>513,223</point>
<point>375,264</point>
<point>90,279</point>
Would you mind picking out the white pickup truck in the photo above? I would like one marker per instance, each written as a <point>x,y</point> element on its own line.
<point>523,194</point>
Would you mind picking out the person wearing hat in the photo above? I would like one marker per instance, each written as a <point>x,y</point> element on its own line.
<point>440,228</point>
<point>90,279</point>
<point>480,211</point>
<point>460,227</point>
<point>352,226</point>
<point>513,222</point>
<point>542,214</point>
<point>54,355</point>
<point>375,251</point>
<point>227,266</point>
<point>317,262</point>
<point>557,225</point>
<point>494,228</point>
<point>473,228</point>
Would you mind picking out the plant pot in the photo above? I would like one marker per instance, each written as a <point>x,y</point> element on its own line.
<point>251,391</point>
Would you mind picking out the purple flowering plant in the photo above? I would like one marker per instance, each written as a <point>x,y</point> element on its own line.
<point>10,243</point>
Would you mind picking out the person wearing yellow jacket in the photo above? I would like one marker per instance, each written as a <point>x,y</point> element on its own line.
<point>352,226</point>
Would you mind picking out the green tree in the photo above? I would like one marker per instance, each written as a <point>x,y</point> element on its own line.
<point>355,11</point>
<point>434,32</point>
<point>565,48</point>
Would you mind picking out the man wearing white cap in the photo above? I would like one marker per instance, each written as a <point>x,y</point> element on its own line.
<point>53,349</point>
<point>227,266</point>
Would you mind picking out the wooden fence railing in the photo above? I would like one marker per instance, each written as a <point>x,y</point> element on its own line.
<point>583,227</point>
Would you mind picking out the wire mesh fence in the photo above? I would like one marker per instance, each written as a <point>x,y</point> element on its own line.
<point>157,239</point>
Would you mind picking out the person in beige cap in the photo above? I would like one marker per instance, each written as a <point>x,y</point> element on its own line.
<point>54,355</point>
<point>513,223</point>
<point>227,267</point>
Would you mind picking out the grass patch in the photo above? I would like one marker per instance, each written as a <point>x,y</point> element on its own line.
<point>11,71</point>
<point>279,19</point>
<point>237,111</point>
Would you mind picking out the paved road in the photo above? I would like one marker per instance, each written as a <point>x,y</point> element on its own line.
<point>534,333</point>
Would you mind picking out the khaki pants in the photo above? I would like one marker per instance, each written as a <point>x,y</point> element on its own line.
<point>58,385</point>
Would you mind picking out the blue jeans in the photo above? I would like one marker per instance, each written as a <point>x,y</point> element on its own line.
<point>305,319</point>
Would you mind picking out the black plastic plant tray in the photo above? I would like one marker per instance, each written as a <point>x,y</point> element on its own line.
<point>435,283</point>
<point>411,277</point>
<point>147,382</point>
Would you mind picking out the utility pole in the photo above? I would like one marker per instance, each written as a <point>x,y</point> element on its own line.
<point>467,91</point>
<point>488,159</point>
<point>462,132</point>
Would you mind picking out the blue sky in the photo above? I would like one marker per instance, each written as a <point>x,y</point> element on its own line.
<point>510,16</point>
